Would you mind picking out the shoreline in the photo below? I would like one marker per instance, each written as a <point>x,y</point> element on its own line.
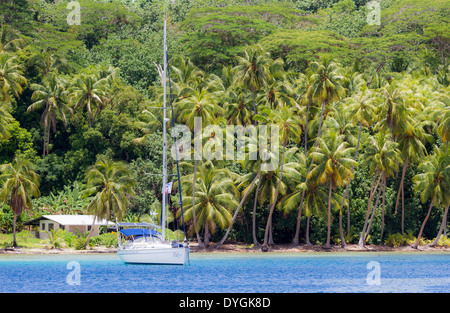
<point>238,248</point>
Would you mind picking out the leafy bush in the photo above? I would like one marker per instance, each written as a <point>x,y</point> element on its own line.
<point>25,235</point>
<point>395,240</point>
<point>107,239</point>
<point>443,242</point>
<point>6,244</point>
<point>55,239</point>
<point>69,238</point>
<point>79,243</point>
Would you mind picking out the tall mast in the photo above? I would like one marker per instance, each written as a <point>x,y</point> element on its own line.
<point>163,209</point>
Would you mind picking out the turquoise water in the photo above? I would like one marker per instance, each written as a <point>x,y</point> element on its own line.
<point>236,273</point>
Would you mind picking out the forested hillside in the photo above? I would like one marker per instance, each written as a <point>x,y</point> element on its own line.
<point>363,112</point>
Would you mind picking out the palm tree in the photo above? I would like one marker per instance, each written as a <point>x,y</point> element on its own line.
<point>411,140</point>
<point>361,109</point>
<point>199,104</point>
<point>271,185</point>
<point>392,109</point>
<point>51,96</point>
<point>332,166</point>
<point>325,83</point>
<point>55,238</point>
<point>149,121</point>
<point>441,112</point>
<point>186,75</point>
<point>254,176</point>
<point>277,90</point>
<point>353,82</point>
<point>238,107</point>
<point>325,86</point>
<point>9,39</point>
<point>340,122</point>
<point>11,79</point>
<point>47,62</point>
<point>216,194</point>
<point>253,70</point>
<point>433,184</point>
<point>381,156</point>
<point>314,202</point>
<point>89,89</point>
<point>19,184</point>
<point>5,119</point>
<point>111,183</point>
<point>289,125</point>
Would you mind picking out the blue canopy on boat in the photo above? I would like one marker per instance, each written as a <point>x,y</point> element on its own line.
<point>139,232</point>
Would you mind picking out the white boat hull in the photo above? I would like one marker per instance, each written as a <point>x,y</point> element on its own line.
<point>170,256</point>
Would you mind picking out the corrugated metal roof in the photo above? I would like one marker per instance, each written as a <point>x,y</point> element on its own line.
<point>76,220</point>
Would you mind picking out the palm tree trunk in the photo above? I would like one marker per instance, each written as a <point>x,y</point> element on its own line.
<point>416,244</point>
<point>319,131</point>
<point>348,184</point>
<point>403,209</point>
<point>254,105</point>
<point>382,210</point>
<point>308,220</point>
<point>90,232</point>
<point>300,208</point>
<point>16,204</point>
<point>48,138</point>
<point>206,239</point>
<point>270,242</point>
<point>199,240</point>
<point>255,240</point>
<point>373,212</point>
<point>238,209</point>
<point>306,130</point>
<point>45,137</point>
<point>89,111</point>
<point>441,229</point>
<point>401,190</point>
<point>297,231</point>
<point>341,231</point>
<point>327,245</point>
<point>361,239</point>
<point>269,220</point>
<point>14,230</point>
<point>299,217</point>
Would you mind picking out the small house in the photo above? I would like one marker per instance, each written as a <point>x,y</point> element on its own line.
<point>70,223</point>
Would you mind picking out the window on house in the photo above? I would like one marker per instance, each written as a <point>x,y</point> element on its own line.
<point>50,226</point>
<point>43,226</point>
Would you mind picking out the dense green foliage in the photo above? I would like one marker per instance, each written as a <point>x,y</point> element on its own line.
<point>363,112</point>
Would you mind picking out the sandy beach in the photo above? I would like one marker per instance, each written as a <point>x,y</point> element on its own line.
<point>240,248</point>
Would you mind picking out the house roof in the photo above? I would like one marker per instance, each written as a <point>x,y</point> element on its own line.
<point>72,220</point>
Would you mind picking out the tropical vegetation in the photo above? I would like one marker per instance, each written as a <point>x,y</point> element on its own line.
<point>362,111</point>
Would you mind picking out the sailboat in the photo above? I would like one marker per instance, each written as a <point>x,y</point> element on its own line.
<point>146,243</point>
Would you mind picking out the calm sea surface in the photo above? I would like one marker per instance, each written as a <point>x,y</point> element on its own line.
<point>237,273</point>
